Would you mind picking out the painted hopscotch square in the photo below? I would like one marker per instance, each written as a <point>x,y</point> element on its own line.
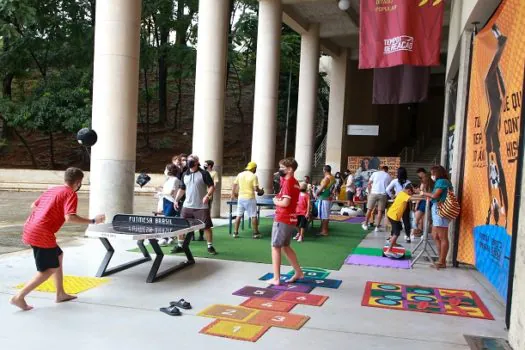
<point>235,330</point>
<point>323,282</point>
<point>72,284</point>
<point>425,299</point>
<point>312,272</point>
<point>279,319</point>
<point>292,287</point>
<point>302,298</point>
<point>269,276</point>
<point>257,292</point>
<point>268,305</point>
<point>228,312</point>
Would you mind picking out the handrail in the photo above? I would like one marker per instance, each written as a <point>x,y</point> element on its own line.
<point>320,152</point>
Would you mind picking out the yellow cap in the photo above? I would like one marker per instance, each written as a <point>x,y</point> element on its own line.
<point>251,166</point>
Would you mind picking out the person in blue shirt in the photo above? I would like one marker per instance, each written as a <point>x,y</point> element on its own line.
<point>439,224</point>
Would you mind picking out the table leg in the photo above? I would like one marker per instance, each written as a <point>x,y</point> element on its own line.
<point>231,218</point>
<point>103,269</point>
<point>154,275</point>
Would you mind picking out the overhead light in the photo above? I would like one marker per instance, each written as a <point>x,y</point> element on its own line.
<point>344,5</point>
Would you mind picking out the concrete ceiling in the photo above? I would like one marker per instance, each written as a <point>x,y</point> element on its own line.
<point>338,29</point>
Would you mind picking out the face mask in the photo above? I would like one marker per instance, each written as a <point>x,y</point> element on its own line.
<point>303,190</point>
<point>282,172</point>
<point>166,172</point>
<point>79,187</point>
<point>191,163</point>
<point>433,177</point>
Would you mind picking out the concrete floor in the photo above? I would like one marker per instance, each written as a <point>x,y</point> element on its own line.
<point>124,313</point>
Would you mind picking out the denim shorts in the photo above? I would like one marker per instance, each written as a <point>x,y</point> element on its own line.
<point>438,221</point>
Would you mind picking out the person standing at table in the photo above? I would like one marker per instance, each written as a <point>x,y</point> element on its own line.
<point>49,212</point>
<point>245,185</point>
<point>198,187</point>
<point>377,197</point>
<point>439,224</point>
<point>395,187</point>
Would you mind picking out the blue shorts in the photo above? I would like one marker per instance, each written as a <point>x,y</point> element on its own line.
<point>168,209</point>
<point>438,221</point>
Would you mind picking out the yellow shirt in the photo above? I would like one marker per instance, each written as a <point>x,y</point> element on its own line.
<point>247,181</point>
<point>396,210</point>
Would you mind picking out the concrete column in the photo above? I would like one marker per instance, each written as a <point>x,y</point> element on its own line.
<point>461,114</point>
<point>115,102</point>
<point>307,101</point>
<point>336,113</point>
<point>210,86</point>
<point>446,117</point>
<point>517,316</point>
<point>266,90</point>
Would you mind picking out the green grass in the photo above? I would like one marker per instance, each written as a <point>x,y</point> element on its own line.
<point>325,252</point>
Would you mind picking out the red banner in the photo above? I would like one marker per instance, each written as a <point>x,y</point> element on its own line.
<point>396,32</point>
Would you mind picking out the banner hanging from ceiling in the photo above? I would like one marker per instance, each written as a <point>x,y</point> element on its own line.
<point>396,32</point>
<point>493,127</point>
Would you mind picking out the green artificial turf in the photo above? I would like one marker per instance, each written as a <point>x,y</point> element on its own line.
<point>325,252</point>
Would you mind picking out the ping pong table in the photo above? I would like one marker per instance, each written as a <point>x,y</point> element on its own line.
<point>266,202</point>
<point>140,228</point>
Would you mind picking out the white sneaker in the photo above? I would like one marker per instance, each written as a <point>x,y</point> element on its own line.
<point>377,229</point>
<point>364,226</point>
<point>163,242</point>
<point>170,241</point>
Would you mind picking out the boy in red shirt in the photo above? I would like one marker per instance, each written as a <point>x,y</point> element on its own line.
<point>49,212</point>
<point>302,211</point>
<point>285,221</point>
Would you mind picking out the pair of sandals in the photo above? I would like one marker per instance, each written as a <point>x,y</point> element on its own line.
<point>173,309</point>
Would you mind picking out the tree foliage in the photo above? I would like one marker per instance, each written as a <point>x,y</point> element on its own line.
<point>46,64</point>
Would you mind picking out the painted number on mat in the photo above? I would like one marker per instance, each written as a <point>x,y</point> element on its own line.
<point>301,298</point>
<point>229,312</point>
<point>319,281</point>
<point>278,318</point>
<point>236,329</point>
<point>267,305</point>
<point>259,292</point>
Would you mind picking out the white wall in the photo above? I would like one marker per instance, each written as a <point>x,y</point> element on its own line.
<point>463,13</point>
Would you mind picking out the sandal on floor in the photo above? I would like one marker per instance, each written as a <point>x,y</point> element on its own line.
<point>172,311</point>
<point>182,304</point>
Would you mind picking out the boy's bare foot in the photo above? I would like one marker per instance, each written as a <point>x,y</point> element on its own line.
<point>275,282</point>
<point>295,277</point>
<point>65,297</point>
<point>20,303</point>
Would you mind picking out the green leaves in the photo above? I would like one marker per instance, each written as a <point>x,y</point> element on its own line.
<point>61,103</point>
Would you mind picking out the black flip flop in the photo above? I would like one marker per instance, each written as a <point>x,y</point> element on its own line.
<point>172,311</point>
<point>181,303</point>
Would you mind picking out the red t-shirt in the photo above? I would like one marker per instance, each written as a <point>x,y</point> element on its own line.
<point>302,204</point>
<point>49,215</point>
<point>289,189</point>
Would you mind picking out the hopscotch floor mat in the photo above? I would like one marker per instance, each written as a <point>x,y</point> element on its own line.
<point>72,284</point>
<point>267,307</point>
<point>452,302</point>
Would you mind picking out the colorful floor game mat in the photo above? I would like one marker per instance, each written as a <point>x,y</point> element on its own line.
<point>375,252</point>
<point>267,307</point>
<point>377,261</point>
<point>72,284</point>
<point>452,302</point>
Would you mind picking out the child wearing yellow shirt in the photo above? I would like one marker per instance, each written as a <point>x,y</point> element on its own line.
<point>395,214</point>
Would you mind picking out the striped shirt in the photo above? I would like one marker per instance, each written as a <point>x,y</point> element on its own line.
<point>48,216</point>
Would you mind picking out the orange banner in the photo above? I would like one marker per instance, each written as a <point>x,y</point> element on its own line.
<point>491,150</point>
